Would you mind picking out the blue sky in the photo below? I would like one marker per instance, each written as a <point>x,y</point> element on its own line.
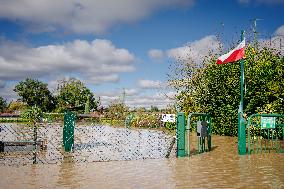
<point>122,44</point>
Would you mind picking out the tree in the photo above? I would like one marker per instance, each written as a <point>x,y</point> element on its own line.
<point>16,106</point>
<point>73,93</point>
<point>34,114</point>
<point>87,106</point>
<point>3,104</point>
<point>117,110</point>
<point>34,92</point>
<point>215,89</point>
<point>154,109</point>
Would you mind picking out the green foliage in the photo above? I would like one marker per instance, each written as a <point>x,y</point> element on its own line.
<point>215,89</point>
<point>16,106</point>
<point>117,111</point>
<point>33,114</point>
<point>154,109</point>
<point>87,106</point>
<point>3,104</point>
<point>170,126</point>
<point>265,82</point>
<point>34,92</point>
<point>146,120</point>
<point>73,93</point>
<point>51,117</point>
<point>13,120</point>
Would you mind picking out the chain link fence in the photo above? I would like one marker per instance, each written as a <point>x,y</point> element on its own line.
<point>24,143</point>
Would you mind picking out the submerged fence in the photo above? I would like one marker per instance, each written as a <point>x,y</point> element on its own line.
<point>265,133</point>
<point>23,143</point>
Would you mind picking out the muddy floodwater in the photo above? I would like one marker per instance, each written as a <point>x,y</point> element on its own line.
<point>220,168</point>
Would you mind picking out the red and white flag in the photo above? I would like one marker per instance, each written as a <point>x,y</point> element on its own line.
<point>234,55</point>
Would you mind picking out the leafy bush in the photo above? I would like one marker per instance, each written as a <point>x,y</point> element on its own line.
<point>215,89</point>
<point>34,114</point>
<point>16,106</point>
<point>51,117</point>
<point>3,104</point>
<point>146,120</point>
<point>170,126</point>
<point>34,92</point>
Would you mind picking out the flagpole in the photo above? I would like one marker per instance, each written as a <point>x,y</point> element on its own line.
<point>241,121</point>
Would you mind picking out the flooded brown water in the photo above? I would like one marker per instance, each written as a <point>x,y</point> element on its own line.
<point>220,168</point>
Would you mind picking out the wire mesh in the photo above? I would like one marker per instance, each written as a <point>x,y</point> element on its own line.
<point>92,143</point>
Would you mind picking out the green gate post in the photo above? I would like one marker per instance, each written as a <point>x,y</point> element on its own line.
<point>209,132</point>
<point>68,130</point>
<point>181,134</point>
<point>241,135</point>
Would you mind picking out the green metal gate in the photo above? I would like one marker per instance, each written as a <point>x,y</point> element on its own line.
<point>199,128</point>
<point>265,133</point>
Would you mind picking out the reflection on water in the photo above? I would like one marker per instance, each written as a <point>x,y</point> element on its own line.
<point>221,168</point>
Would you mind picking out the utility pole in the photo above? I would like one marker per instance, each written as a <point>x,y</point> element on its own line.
<point>123,96</point>
<point>255,33</point>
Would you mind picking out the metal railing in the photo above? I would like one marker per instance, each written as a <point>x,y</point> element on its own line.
<point>265,133</point>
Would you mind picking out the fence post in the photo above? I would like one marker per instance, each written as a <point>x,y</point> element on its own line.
<point>2,146</point>
<point>68,130</point>
<point>181,134</point>
<point>209,133</point>
<point>35,144</point>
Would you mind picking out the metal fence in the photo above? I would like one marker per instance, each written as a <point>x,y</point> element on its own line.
<point>193,137</point>
<point>42,143</point>
<point>265,133</point>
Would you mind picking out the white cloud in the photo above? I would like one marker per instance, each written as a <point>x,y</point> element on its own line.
<point>171,94</point>
<point>119,93</point>
<point>155,53</point>
<point>136,101</point>
<point>107,97</point>
<point>149,84</point>
<point>275,42</point>
<point>131,92</point>
<point>196,50</point>
<point>2,84</point>
<point>7,92</point>
<point>95,62</point>
<point>82,16</point>
<point>158,100</point>
<point>280,31</point>
<point>137,97</point>
<point>107,100</point>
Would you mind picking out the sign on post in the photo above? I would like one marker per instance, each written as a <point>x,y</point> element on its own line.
<point>267,122</point>
<point>169,118</point>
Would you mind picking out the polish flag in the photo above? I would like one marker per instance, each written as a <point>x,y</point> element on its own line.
<point>234,55</point>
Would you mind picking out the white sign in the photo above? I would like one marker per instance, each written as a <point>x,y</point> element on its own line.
<point>169,118</point>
